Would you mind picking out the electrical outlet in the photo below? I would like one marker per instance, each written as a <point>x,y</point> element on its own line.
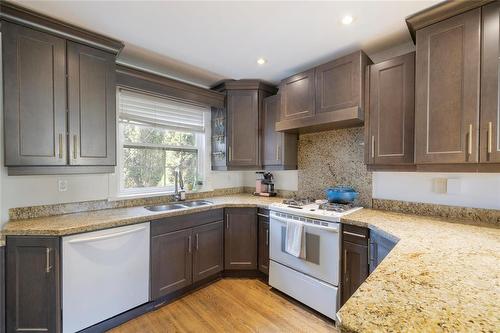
<point>62,185</point>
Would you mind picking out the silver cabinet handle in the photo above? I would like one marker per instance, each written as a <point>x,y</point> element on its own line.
<point>75,146</point>
<point>373,146</point>
<point>369,252</point>
<point>267,237</point>
<point>470,139</point>
<point>490,130</point>
<point>277,152</point>
<point>48,267</point>
<point>229,154</point>
<point>60,145</point>
<point>263,215</point>
<point>197,242</point>
<point>353,234</point>
<point>189,244</point>
<point>227,221</point>
<point>345,265</point>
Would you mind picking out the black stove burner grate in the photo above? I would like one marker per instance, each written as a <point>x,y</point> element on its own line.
<point>336,207</point>
<point>298,202</point>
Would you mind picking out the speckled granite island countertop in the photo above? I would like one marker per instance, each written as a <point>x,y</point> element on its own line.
<point>440,277</point>
<point>68,224</point>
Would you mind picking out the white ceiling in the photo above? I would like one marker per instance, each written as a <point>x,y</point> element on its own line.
<point>204,42</point>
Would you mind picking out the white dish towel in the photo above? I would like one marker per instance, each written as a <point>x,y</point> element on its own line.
<point>295,240</point>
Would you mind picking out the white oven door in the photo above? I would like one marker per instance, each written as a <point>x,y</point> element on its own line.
<point>322,249</point>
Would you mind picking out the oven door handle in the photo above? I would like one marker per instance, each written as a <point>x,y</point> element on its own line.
<point>334,228</point>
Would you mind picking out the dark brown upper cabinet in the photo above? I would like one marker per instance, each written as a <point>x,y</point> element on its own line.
<point>34,76</point>
<point>238,128</point>
<point>298,96</point>
<point>490,108</point>
<point>240,239</point>
<point>59,95</point>
<point>243,127</point>
<point>280,149</point>
<point>326,97</point>
<point>390,115</point>
<point>447,90</point>
<point>33,284</point>
<point>338,84</point>
<point>92,105</point>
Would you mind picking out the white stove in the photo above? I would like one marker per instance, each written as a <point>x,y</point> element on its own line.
<point>313,279</point>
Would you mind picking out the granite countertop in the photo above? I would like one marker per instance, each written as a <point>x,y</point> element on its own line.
<point>439,277</point>
<point>68,224</point>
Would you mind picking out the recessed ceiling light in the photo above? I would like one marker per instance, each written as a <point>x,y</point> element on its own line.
<point>261,61</point>
<point>347,19</point>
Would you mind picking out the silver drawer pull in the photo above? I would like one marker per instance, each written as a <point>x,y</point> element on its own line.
<point>263,215</point>
<point>353,234</point>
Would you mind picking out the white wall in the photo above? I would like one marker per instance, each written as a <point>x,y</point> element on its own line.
<point>283,180</point>
<point>475,190</point>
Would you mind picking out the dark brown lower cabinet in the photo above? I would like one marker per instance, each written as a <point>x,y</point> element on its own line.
<point>171,262</point>
<point>185,249</point>
<point>380,246</point>
<point>33,284</point>
<point>264,241</point>
<point>354,259</point>
<point>240,239</point>
<point>208,255</point>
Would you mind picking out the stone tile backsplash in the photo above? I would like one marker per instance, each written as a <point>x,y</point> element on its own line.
<point>334,158</point>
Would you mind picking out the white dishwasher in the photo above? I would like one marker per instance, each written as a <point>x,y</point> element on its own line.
<point>104,273</point>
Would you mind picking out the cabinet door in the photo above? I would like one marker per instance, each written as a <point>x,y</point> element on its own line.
<point>355,268</point>
<point>92,106</point>
<point>240,239</point>
<point>208,256</point>
<point>380,246</point>
<point>273,141</point>
<point>279,149</point>
<point>338,84</point>
<point>243,127</point>
<point>490,72</point>
<point>34,70</point>
<point>33,285</point>
<point>264,245</point>
<point>392,111</point>
<point>171,262</point>
<point>298,96</point>
<point>447,90</point>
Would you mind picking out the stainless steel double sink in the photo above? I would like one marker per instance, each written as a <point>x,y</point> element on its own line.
<point>179,205</point>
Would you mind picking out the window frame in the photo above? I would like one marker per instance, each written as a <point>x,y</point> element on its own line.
<point>200,147</point>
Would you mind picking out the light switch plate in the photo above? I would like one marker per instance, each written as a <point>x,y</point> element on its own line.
<point>439,185</point>
<point>62,185</point>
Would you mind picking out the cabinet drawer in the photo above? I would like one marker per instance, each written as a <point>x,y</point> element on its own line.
<point>174,223</point>
<point>355,234</point>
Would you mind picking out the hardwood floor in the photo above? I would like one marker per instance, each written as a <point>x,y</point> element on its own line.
<point>231,305</point>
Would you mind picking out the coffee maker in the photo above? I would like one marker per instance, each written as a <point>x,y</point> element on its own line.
<point>264,185</point>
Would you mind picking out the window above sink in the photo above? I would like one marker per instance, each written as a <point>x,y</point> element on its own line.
<point>156,135</point>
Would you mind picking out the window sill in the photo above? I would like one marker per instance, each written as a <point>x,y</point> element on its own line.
<point>125,196</point>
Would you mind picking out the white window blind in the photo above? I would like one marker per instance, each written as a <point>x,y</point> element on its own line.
<point>161,112</point>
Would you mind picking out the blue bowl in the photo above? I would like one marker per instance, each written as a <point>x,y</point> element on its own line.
<point>341,194</point>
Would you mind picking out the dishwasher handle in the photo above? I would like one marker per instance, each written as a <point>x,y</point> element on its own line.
<point>104,237</point>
